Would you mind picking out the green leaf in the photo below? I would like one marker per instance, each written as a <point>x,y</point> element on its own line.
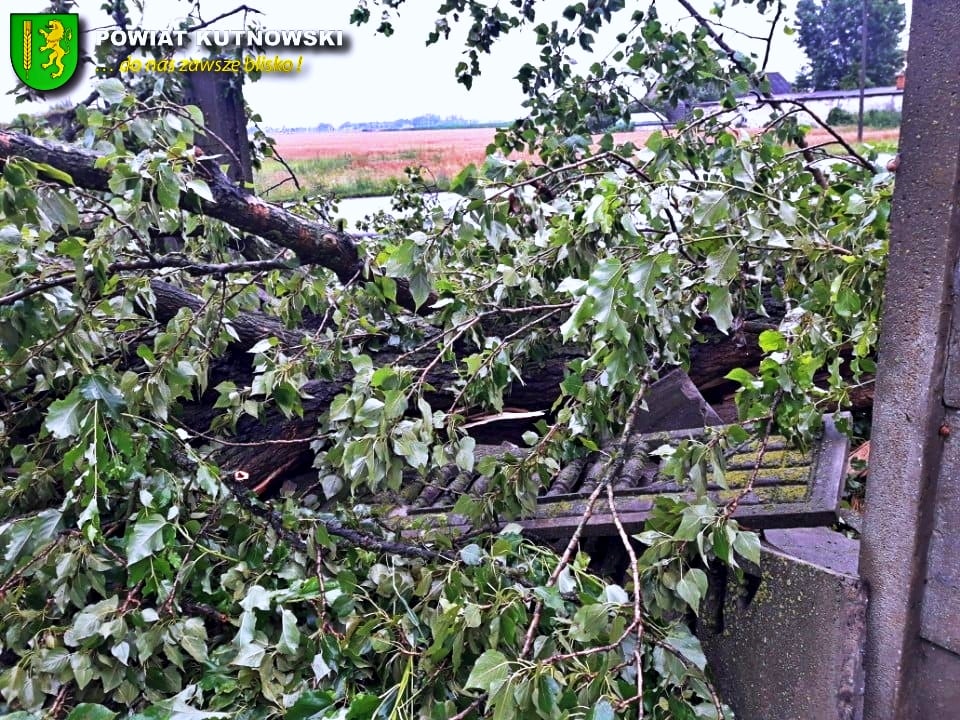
<point>465,181</point>
<point>290,633</point>
<point>472,554</point>
<point>60,209</point>
<point>194,639</point>
<point>778,240</point>
<point>420,287</point>
<point>465,457</point>
<point>719,307</point>
<point>681,639</point>
<point>52,172</point>
<point>848,303</point>
<point>788,213</point>
<point>13,172</point>
<point>25,535</point>
<point>91,711</point>
<point>602,710</point>
<point>249,655</point>
<point>692,587</point>
<point>201,188</point>
<point>721,544</point>
<point>320,667</point>
<point>82,669</point>
<point>261,346</point>
<point>489,672</point>
<point>72,247</point>
<point>589,622</point>
<point>548,694</point>
<point>566,582</point>
<point>63,416</point>
<point>363,706</point>
<point>146,538</point>
<point>739,375</point>
<point>121,651</point>
<point>550,596</point>
<point>97,388</point>
<point>369,413</point>
<point>748,545</point>
<point>615,594</point>
<point>112,90</point>
<point>722,265</point>
<point>582,313</point>
<point>416,452</point>
<point>168,188</point>
<point>772,341</point>
<point>309,704</point>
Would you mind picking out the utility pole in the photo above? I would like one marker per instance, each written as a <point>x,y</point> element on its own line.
<point>863,69</point>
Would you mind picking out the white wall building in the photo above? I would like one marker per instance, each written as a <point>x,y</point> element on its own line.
<point>821,102</point>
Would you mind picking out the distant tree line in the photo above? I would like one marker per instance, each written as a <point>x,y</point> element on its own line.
<point>418,123</point>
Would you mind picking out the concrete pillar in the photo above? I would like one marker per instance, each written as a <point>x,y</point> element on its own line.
<point>913,462</point>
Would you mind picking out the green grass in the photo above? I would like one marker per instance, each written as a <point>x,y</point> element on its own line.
<point>339,176</point>
<point>312,173</point>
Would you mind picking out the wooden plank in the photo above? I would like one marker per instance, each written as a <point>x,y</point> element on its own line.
<point>674,403</point>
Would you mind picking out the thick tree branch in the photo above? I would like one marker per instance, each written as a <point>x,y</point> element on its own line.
<point>313,242</point>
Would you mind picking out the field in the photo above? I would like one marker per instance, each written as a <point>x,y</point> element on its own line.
<point>352,164</point>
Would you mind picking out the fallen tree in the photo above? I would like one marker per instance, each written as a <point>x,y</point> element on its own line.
<point>160,382</point>
<point>710,360</point>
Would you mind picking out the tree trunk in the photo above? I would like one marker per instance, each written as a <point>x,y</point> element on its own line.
<point>220,98</point>
<point>275,447</point>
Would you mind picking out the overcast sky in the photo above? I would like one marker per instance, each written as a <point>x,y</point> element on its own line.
<point>381,78</point>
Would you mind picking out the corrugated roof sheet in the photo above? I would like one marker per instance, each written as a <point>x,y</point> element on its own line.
<point>792,489</point>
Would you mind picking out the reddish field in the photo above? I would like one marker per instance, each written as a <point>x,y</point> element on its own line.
<point>360,162</point>
<point>467,142</point>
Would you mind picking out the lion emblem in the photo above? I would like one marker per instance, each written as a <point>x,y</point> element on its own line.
<point>54,33</point>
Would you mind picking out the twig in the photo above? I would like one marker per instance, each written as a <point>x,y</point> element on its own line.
<point>14,578</point>
<point>571,166</point>
<point>238,9</point>
<point>773,27</point>
<point>167,606</point>
<point>637,594</point>
<point>553,659</point>
<point>461,331</point>
<point>799,104</point>
<point>280,159</point>
<point>206,611</point>
<point>492,355</point>
<point>564,561</point>
<point>732,506</point>
<point>189,266</point>
<point>356,538</point>
<point>256,443</point>
<point>132,600</point>
<point>469,708</point>
<point>611,468</point>
<point>732,55</point>
<point>59,702</point>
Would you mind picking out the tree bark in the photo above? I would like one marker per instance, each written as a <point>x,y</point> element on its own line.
<point>220,98</point>
<point>274,447</point>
